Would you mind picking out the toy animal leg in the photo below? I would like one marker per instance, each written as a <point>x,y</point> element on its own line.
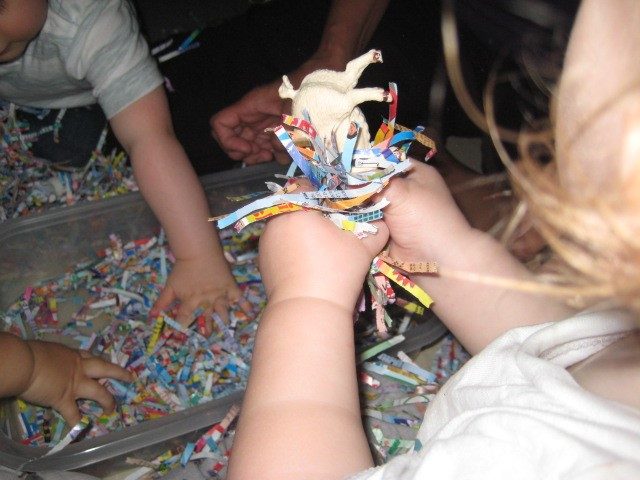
<point>286,90</point>
<point>364,137</point>
<point>369,94</point>
<point>338,131</point>
<point>356,66</point>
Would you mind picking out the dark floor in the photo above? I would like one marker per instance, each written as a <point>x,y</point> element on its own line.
<point>163,18</point>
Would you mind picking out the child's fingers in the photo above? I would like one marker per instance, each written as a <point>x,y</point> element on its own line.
<point>84,354</point>
<point>235,297</point>
<point>165,299</point>
<point>221,307</point>
<point>95,367</point>
<point>69,411</point>
<point>376,243</point>
<point>233,293</point>
<point>245,305</point>
<point>208,326</point>
<point>94,391</point>
<point>187,307</point>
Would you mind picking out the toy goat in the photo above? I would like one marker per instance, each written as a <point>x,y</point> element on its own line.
<point>331,100</point>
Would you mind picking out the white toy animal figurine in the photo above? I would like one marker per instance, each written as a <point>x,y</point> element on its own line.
<point>332,100</point>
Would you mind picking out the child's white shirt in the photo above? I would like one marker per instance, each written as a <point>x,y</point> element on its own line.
<point>88,51</point>
<point>515,412</point>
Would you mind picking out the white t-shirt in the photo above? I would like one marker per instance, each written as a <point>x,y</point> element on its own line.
<point>515,412</point>
<point>88,51</point>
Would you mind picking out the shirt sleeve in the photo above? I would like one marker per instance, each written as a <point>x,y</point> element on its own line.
<point>111,54</point>
<point>464,457</point>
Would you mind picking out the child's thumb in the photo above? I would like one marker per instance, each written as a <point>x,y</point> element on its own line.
<point>376,243</point>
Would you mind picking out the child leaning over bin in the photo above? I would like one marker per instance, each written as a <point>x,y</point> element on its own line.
<point>59,54</point>
<point>550,393</point>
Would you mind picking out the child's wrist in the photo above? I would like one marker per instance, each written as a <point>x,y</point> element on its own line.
<point>344,296</point>
<point>26,355</point>
<point>475,251</point>
<point>311,305</point>
<point>459,241</point>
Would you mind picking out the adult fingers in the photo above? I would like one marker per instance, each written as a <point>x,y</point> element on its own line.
<point>235,146</point>
<point>224,124</point>
<point>282,158</point>
<point>228,137</point>
<point>248,134</point>
<point>279,152</point>
<point>261,156</point>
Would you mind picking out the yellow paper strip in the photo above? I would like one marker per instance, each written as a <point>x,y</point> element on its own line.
<point>403,282</point>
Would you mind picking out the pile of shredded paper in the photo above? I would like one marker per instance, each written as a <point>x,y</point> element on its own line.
<point>345,187</point>
<point>31,185</point>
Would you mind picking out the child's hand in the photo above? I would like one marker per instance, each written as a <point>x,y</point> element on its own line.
<point>61,375</point>
<point>425,224</point>
<point>423,218</point>
<point>303,254</point>
<point>199,282</point>
<point>201,276</point>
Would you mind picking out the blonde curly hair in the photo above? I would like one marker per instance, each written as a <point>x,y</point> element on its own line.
<point>586,203</point>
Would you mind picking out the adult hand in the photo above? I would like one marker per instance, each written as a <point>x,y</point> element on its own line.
<point>240,128</point>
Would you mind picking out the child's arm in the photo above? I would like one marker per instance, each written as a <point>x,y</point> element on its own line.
<point>301,415</point>
<point>425,224</point>
<point>201,275</point>
<point>50,374</point>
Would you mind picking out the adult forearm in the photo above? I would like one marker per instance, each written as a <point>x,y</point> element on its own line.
<point>349,27</point>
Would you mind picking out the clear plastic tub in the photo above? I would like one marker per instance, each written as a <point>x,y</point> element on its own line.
<point>42,246</point>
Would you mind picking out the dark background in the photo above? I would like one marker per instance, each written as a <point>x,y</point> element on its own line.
<point>248,43</point>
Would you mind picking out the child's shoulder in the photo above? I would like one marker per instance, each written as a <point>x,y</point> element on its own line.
<point>78,12</point>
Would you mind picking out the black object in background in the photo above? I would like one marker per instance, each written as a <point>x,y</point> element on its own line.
<point>252,43</point>
<point>271,39</point>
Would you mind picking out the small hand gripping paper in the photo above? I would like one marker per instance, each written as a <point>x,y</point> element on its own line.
<point>328,140</point>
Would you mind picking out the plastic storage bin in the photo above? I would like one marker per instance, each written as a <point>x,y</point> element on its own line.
<point>43,246</point>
